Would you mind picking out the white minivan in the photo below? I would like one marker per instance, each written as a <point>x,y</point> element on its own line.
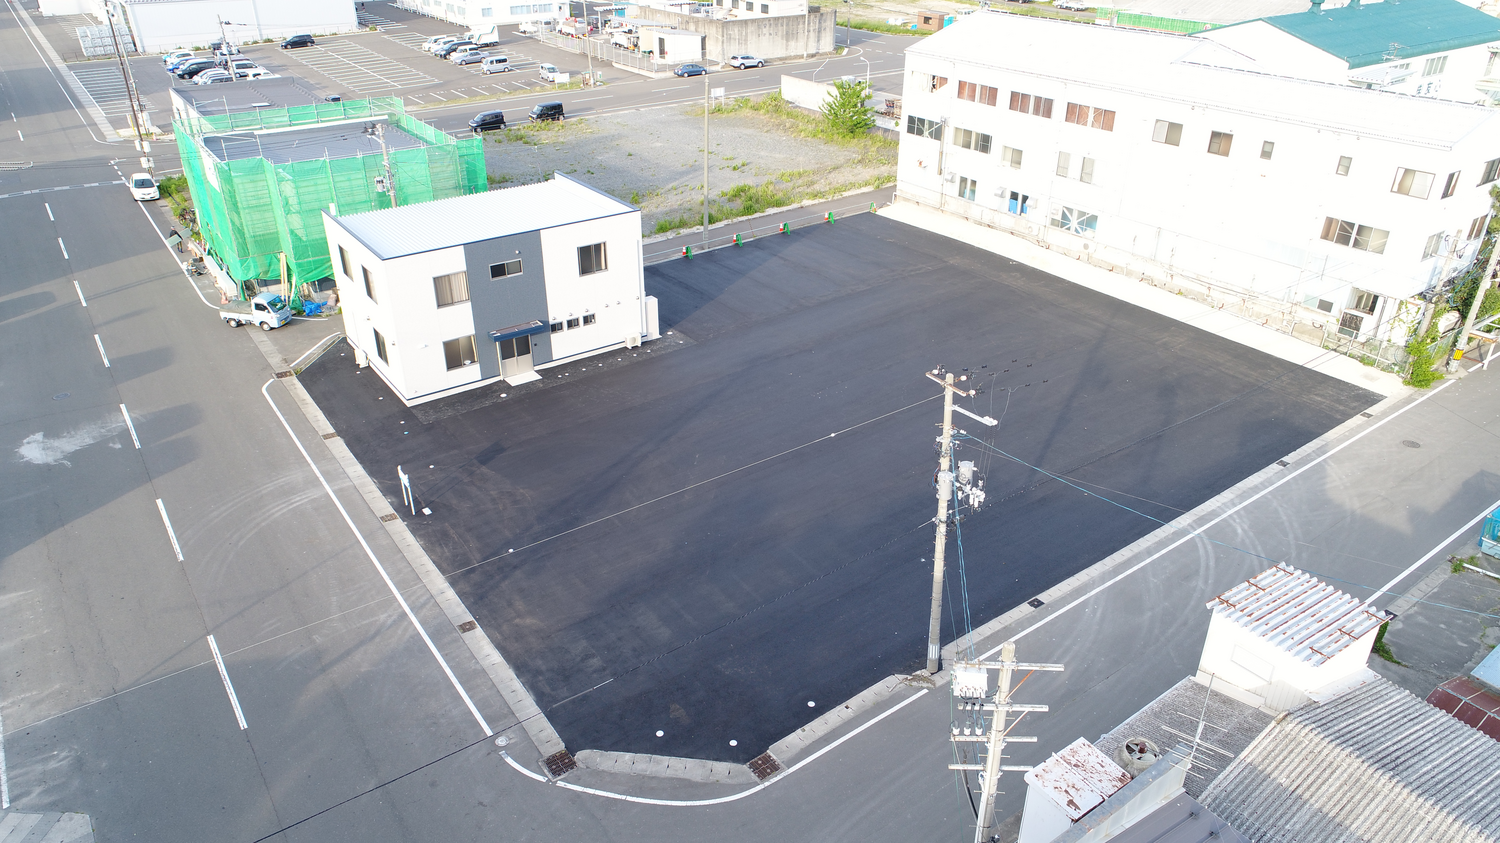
<point>550,73</point>
<point>495,64</point>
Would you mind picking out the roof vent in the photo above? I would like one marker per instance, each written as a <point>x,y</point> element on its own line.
<point>1317,6</point>
<point>1137,755</point>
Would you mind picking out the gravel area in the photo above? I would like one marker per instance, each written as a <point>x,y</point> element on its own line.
<point>654,159</point>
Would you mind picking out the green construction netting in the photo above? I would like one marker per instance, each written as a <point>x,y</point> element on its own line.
<point>251,211</point>
<point>1137,21</point>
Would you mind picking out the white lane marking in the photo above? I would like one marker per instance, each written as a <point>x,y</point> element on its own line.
<point>19,135</point>
<point>522,770</point>
<point>411,616</point>
<point>131,425</point>
<point>4,782</point>
<point>176,548</point>
<point>102,355</point>
<point>588,99</point>
<point>81,299</point>
<point>697,803</point>
<point>673,88</point>
<point>228,686</point>
<point>1385,589</point>
<point>48,206</point>
<point>64,247</point>
<point>1232,510</point>
<point>316,346</point>
<point>180,265</point>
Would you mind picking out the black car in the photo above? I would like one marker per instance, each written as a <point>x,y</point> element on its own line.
<point>691,70</point>
<point>296,41</point>
<point>444,52</point>
<point>195,67</point>
<point>487,120</point>
<point>545,111</point>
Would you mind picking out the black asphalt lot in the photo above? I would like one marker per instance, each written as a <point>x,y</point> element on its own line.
<point>695,552</point>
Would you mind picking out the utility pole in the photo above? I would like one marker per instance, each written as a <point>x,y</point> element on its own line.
<point>970,684</point>
<point>1462,342</point>
<point>389,182</point>
<point>940,544</point>
<point>135,117</point>
<point>705,156</point>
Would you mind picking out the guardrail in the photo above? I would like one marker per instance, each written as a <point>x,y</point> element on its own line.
<point>744,234</point>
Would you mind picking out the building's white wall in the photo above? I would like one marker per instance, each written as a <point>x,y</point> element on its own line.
<point>1234,654</point>
<point>189,24</point>
<point>614,296</point>
<point>479,15</point>
<point>1245,223</point>
<point>1279,52</point>
<point>1041,819</point>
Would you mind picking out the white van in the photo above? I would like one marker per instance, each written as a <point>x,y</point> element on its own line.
<point>529,28</point>
<point>495,64</point>
<point>550,73</point>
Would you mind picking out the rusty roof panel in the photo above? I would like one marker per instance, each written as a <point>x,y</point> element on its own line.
<point>1298,613</point>
<point>1078,778</point>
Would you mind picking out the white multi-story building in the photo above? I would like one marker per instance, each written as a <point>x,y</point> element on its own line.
<point>162,25</point>
<point>447,295</point>
<point>1173,158</point>
<point>485,15</point>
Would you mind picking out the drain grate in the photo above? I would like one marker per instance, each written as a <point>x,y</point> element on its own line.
<point>283,375</point>
<point>1283,463</point>
<point>560,763</point>
<point>330,436</point>
<point>468,626</point>
<point>765,766</point>
<point>1035,603</point>
<point>389,517</point>
<point>1367,415</point>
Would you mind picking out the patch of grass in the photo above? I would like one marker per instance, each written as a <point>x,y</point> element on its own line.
<point>1383,649</point>
<point>1456,563</point>
<point>1420,355</point>
<point>496,180</point>
<point>882,26</point>
<point>743,200</point>
<point>875,150</point>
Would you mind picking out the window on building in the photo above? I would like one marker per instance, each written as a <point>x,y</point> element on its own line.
<point>1350,324</point>
<point>1363,237</point>
<point>1074,220</point>
<point>1363,301</point>
<point>1094,118</point>
<point>1434,245</point>
<point>573,323</point>
<point>765,8</point>
<point>936,82</point>
<point>344,262</point>
<point>967,188</point>
<point>1476,228</point>
<point>1345,162</point>
<point>1219,142</point>
<point>459,353</point>
<point>977,141</point>
<point>1168,133</point>
<point>592,259</point>
<point>967,90</point>
<point>1029,104</point>
<point>1451,185</point>
<point>452,288</point>
<point>923,128</point>
<point>557,327</point>
<point>588,318</point>
<point>380,346</point>
<point>369,285</point>
<point>1266,148</point>
<point>1491,171</point>
<point>505,269</point>
<point>1435,65</point>
<point>1412,183</point>
<point>1086,171</point>
<point>1017,204</point>
<point>1011,156</point>
<point>1064,163</point>
<point>486,12</point>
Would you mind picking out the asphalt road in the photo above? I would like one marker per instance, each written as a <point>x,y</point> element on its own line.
<point>698,561</point>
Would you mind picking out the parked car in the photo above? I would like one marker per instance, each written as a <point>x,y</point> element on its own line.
<point>529,28</point>
<point>437,41</point>
<point>494,64</point>
<point>1070,5</point>
<point>742,62</point>
<point>453,47</point>
<point>143,187</point>
<point>213,76</point>
<point>176,64</point>
<point>267,310</point>
<point>545,111</point>
<point>485,121</point>
<point>463,57</point>
<point>691,70</point>
<point>175,56</point>
<point>549,72</point>
<point>296,41</point>
<point>188,70</point>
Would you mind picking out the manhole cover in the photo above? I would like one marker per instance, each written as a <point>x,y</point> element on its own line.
<point>559,763</point>
<point>1411,443</point>
<point>1035,603</point>
<point>765,766</point>
<point>59,396</point>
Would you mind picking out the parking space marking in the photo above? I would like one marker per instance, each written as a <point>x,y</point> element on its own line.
<point>105,85</point>
<point>359,69</point>
<point>410,39</point>
<point>366,21</point>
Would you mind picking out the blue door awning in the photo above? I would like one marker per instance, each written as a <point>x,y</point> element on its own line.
<point>522,330</point>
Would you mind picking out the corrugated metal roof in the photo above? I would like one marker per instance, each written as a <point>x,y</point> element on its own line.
<point>1298,613</point>
<point>1372,33</point>
<point>1374,765</point>
<point>1217,11</point>
<point>440,224</point>
<point>1078,778</point>
<point>1194,71</point>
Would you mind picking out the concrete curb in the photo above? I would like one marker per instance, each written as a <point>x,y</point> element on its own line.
<point>666,766</point>
<point>510,687</point>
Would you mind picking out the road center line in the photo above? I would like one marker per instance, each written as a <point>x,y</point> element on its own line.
<point>102,355</point>
<point>590,99</point>
<point>131,425</point>
<point>228,686</point>
<point>176,548</point>
<point>81,300</point>
<point>64,248</point>
<point>395,592</point>
<point>48,206</point>
<point>4,782</point>
<point>1192,534</point>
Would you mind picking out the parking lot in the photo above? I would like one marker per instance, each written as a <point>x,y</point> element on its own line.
<point>696,553</point>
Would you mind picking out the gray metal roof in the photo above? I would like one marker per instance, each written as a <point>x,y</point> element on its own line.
<point>1077,778</point>
<point>246,94</point>
<point>308,143</point>
<point>1217,11</point>
<point>1298,613</point>
<point>441,224</point>
<point>1182,820</point>
<point>1373,765</point>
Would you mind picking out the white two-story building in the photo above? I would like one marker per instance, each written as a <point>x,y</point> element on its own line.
<point>1170,157</point>
<point>444,296</point>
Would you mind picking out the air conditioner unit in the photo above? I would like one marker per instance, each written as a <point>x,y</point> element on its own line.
<point>950,177</point>
<point>632,340</point>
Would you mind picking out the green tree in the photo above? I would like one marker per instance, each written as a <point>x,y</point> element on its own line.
<point>847,113</point>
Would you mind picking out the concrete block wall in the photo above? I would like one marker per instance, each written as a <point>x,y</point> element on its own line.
<point>772,37</point>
